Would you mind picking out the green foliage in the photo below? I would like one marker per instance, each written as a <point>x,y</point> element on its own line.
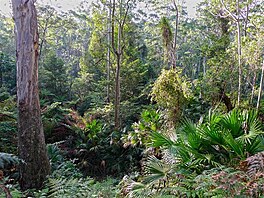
<point>54,78</point>
<point>68,187</point>
<point>54,117</point>
<point>196,109</point>
<point>80,188</point>
<point>55,155</point>
<point>87,129</point>
<point>222,139</point>
<point>171,91</point>
<point>166,32</point>
<point>8,159</point>
<point>99,149</point>
<point>157,172</point>
<point>8,125</point>
<point>55,111</point>
<point>8,133</point>
<point>66,180</point>
<point>7,72</point>
<point>149,122</point>
<point>76,77</point>
<point>216,182</point>
<point>228,182</point>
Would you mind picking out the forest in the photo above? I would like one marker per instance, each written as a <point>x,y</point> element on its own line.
<point>132,98</point>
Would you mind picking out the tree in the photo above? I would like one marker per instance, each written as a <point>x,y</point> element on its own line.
<point>171,91</point>
<point>237,19</point>
<point>118,52</point>
<point>31,141</point>
<point>54,78</point>
<point>7,72</point>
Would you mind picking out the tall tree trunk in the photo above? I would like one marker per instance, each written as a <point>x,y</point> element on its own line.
<point>118,66</point>
<point>108,64</point>
<point>118,52</point>
<point>31,141</point>
<point>174,47</point>
<point>204,66</point>
<point>1,73</point>
<point>260,86</point>
<point>117,92</point>
<point>253,86</point>
<point>236,18</point>
<point>239,55</point>
<point>246,19</point>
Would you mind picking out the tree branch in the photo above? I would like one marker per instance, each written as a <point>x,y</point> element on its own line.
<point>230,13</point>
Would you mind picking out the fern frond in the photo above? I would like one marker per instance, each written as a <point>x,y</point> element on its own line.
<point>255,164</point>
<point>159,139</point>
<point>8,159</point>
<point>72,187</point>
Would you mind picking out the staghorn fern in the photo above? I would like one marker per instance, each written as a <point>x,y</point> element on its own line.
<point>8,159</point>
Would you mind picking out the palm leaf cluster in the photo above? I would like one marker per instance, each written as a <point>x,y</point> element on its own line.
<point>196,148</point>
<point>221,139</point>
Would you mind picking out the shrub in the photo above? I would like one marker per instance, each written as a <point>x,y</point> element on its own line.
<point>171,91</point>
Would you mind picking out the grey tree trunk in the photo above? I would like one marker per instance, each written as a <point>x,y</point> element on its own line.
<point>260,86</point>
<point>239,55</point>
<point>31,141</point>
<point>118,53</point>
<point>236,18</point>
<point>174,45</point>
<point>253,86</point>
<point>108,64</point>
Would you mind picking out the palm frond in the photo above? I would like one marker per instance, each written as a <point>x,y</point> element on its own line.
<point>188,126</point>
<point>159,139</point>
<point>256,145</point>
<point>136,189</point>
<point>156,170</point>
<point>190,134</point>
<point>214,118</point>
<point>206,159</point>
<point>233,122</point>
<point>213,135</point>
<point>234,146</point>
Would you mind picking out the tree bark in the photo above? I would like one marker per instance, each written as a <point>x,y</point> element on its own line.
<point>226,100</point>
<point>174,47</point>
<point>239,55</point>
<point>236,18</point>
<point>253,86</point>
<point>108,64</point>
<point>1,73</point>
<point>118,53</point>
<point>260,86</point>
<point>31,141</point>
